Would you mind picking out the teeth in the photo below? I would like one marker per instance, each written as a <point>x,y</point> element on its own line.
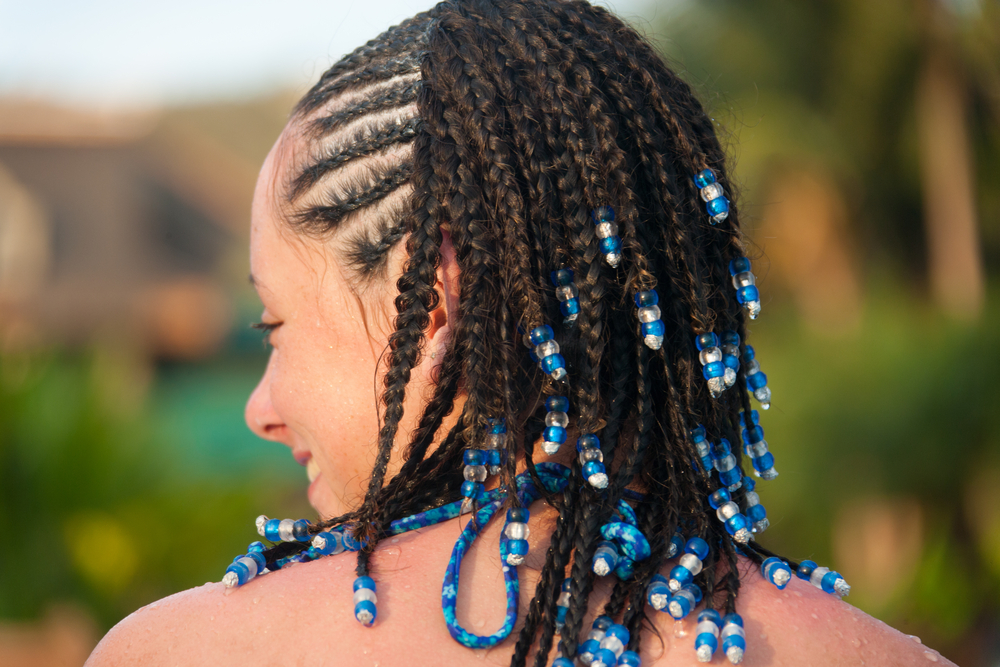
<point>312,469</point>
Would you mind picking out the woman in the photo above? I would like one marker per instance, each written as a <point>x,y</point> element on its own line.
<point>511,216</point>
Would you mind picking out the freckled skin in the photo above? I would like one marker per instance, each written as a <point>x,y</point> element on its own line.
<point>317,397</point>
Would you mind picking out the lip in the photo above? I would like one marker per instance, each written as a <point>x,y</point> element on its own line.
<point>302,458</point>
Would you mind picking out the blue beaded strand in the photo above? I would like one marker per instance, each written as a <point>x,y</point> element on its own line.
<point>365,600</point>
<point>283,530</point>
<point>734,643</point>
<point>653,328</point>
<point>756,381</point>
<point>725,464</point>
<point>546,350</point>
<point>706,635</point>
<point>730,356</point>
<point>607,232</point>
<point>776,571</point>
<point>562,605</point>
<point>516,532</point>
<point>746,286</point>
<point>752,507</point>
<point>823,578</point>
<point>689,564</point>
<point>756,447</point>
<point>592,459</point>
<point>556,421</point>
<point>728,512</point>
<point>713,195</point>
<point>567,294</point>
<point>710,356</point>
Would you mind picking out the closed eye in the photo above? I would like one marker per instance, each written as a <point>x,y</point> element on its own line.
<point>266,328</point>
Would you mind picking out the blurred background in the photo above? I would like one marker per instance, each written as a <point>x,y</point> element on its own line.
<point>866,138</point>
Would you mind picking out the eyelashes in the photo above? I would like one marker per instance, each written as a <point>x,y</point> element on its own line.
<point>266,328</point>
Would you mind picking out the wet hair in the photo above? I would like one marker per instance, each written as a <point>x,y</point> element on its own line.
<point>506,122</point>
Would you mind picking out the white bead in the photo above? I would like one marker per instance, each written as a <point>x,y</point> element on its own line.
<point>613,644</point>
<point>744,279</point>
<point>710,192</point>
<point>649,314</point>
<point>557,419</point>
<point>607,230</point>
<point>613,258</point>
<point>709,354</point>
<point>707,626</point>
<point>816,578</point>
<point>566,292</point>
<point>516,530</point>
<point>551,447</point>
<point>547,349</point>
<point>475,473</point>
<point>691,562</point>
<point>599,480</point>
<point>727,511</point>
<point>753,309</point>
<point>752,498</point>
<point>260,523</point>
<point>286,530</point>
<point>365,594</point>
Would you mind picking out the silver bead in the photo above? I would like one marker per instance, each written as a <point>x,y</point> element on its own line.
<point>761,525</point>
<point>598,480</point>
<point>230,580</point>
<point>710,192</point>
<point>551,447</point>
<point>566,292</point>
<point>475,473</point>
<point>659,601</point>
<point>613,259</point>
<point>653,342</point>
<point>710,355</point>
<point>841,587</point>
<point>649,314</point>
<point>729,378</point>
<point>607,230</point>
<point>515,559</point>
<point>753,309</point>
<point>547,349</point>
<point>743,536</point>
<point>260,523</point>
<point>744,279</point>
<point>516,530</point>
<point>557,419</point>
<point>716,386</point>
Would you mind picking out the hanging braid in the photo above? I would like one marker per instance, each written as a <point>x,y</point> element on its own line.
<point>505,123</point>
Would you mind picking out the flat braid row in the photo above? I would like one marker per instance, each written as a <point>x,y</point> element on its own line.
<point>530,114</point>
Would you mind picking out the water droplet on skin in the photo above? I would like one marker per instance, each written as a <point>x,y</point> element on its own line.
<point>338,567</point>
<point>856,643</point>
<point>763,635</point>
<point>211,618</point>
<point>930,656</point>
<point>814,616</point>
<point>395,540</point>
<point>481,622</point>
<point>680,629</point>
<point>797,594</point>
<point>256,600</point>
<point>228,592</point>
<point>915,638</point>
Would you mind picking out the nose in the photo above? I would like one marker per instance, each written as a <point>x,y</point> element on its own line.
<point>260,414</point>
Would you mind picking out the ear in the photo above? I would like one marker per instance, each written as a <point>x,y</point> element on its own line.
<point>440,330</point>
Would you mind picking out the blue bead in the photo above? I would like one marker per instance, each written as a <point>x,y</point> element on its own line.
<point>474,457</point>
<point>518,515</point>
<point>757,380</point>
<point>706,340</point>
<point>677,541</point>
<point>364,582</point>
<point>717,206</point>
<point>731,362</point>
<point>605,657</point>
<point>567,584</point>
<point>647,298</point>
<point>562,277</point>
<point>748,293</point>
<point>619,631</point>
<point>654,328</point>
<point>771,567</point>
<point>593,468</point>
<point>258,558</point>
<point>271,530</point>
<point>554,434</point>
<point>300,530</point>
<point>749,485</point>
<point>625,568</point>
<point>552,362</point>
<point>562,662</point>
<point>494,457</point>
<point>517,547</point>
<point>805,570</point>
<point>739,265</point>
<point>629,659</point>
<point>351,544</point>
<point>706,639</point>
<point>496,425</point>
<point>828,580</point>
<point>657,588</point>
<point>587,441</point>
<point>603,623</point>
<point>754,417</point>
<point>719,498</point>
<point>242,572</point>
<point>695,591</point>
<point>569,306</point>
<point>736,523</point>
<point>682,575</point>
<point>710,615</point>
<point>704,178</point>
<point>561,620</point>
<point>255,546</point>
<point>733,640</point>
<point>603,214</point>
<point>730,338</point>
<point>590,646</point>
<point>715,369</point>
<point>697,433</point>
<point>721,448</point>
<point>748,354</point>
<point>765,462</point>
<point>557,404</point>
<point>732,618</point>
<point>365,606</point>
<point>698,547</point>
<point>682,602</point>
<point>541,334</point>
<point>611,244</point>
<point>730,477</point>
<point>470,489</point>
<point>753,435</point>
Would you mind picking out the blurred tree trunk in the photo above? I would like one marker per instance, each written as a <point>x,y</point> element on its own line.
<point>954,259</point>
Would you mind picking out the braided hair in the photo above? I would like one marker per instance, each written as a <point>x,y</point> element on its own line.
<point>506,122</point>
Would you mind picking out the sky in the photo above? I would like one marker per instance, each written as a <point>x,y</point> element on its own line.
<point>139,53</point>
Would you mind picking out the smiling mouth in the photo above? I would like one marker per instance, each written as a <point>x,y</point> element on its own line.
<point>312,470</point>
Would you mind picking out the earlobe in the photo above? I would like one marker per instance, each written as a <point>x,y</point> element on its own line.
<point>448,287</point>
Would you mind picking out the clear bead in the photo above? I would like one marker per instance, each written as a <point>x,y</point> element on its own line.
<point>557,419</point>
<point>691,562</point>
<point>551,447</point>
<point>731,350</point>
<point>596,634</point>
<point>816,578</point>
<point>563,600</point>
<point>260,523</point>
<point>726,463</point>
<point>710,192</point>
<point>466,505</point>
<point>475,473</point>
<point>365,594</point>
<point>653,342</point>
<point>709,355</point>
<point>516,530</point>
<point>763,395</point>
<point>768,474</point>
<point>559,374</point>
<point>613,644</point>
<point>607,230</point>
<point>591,454</point>
<point>649,314</point>
<point>727,511</point>
<point>526,339</point>
<point>546,349</point>
<point>752,498</point>
<point>719,217</point>
<point>757,450</point>
<point>744,279</point>
<point>495,440</point>
<point>566,292</point>
<point>753,367</point>
<point>753,309</point>
<point>286,530</point>
<point>729,377</point>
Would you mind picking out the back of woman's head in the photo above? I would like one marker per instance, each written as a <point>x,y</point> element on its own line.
<point>503,126</point>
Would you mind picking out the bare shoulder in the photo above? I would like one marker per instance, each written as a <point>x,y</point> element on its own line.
<point>803,626</point>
